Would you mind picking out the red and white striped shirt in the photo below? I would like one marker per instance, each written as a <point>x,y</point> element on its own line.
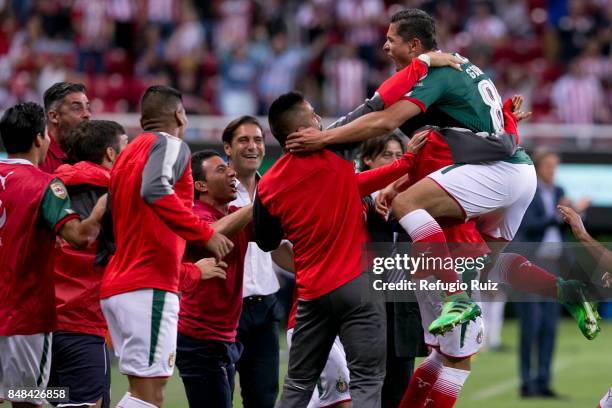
<point>577,99</point>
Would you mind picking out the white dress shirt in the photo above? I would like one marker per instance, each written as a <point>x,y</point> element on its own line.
<point>259,276</point>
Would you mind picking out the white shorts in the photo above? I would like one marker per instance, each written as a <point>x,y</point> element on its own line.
<point>143,327</point>
<point>497,193</point>
<point>333,385</point>
<point>461,342</point>
<point>25,361</point>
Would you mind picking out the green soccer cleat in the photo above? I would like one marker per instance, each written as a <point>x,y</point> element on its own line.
<point>457,309</point>
<point>570,293</point>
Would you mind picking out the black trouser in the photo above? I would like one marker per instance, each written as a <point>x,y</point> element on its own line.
<point>81,362</point>
<point>538,321</point>
<point>258,365</point>
<point>207,370</point>
<point>399,368</point>
<point>360,323</point>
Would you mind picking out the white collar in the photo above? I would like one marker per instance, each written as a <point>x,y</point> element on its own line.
<point>16,161</point>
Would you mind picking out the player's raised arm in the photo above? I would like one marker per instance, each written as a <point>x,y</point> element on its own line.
<point>373,180</point>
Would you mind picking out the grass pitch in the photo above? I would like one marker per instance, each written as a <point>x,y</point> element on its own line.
<point>582,374</point>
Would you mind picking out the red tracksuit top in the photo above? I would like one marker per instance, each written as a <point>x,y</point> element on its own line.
<point>27,304</point>
<point>77,279</point>
<point>151,197</point>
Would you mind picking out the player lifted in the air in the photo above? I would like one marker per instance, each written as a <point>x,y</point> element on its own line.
<point>497,193</point>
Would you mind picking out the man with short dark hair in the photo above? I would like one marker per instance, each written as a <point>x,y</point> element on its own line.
<point>79,358</point>
<point>95,141</point>
<point>34,207</point>
<point>495,191</point>
<point>66,105</point>
<point>207,350</point>
<point>243,142</point>
<point>151,195</point>
<point>323,218</point>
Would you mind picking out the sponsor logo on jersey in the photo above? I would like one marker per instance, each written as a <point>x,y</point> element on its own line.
<point>58,190</point>
<point>479,337</point>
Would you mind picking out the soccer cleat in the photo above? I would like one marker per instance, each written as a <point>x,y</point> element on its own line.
<point>457,309</point>
<point>570,293</point>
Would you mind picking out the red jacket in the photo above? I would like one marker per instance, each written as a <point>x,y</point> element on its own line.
<point>151,200</point>
<point>27,298</point>
<point>77,279</point>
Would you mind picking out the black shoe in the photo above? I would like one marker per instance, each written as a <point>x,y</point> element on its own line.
<point>548,393</point>
<point>527,392</point>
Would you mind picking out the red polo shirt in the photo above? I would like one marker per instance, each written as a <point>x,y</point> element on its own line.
<point>55,157</point>
<point>210,309</point>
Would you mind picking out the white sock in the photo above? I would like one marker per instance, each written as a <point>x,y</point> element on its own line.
<point>419,224</point>
<point>451,380</point>
<point>499,272</point>
<point>132,402</point>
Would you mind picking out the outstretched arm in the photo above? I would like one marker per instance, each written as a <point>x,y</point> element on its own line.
<point>365,127</point>
<point>373,180</point>
<point>360,125</point>
<point>596,249</point>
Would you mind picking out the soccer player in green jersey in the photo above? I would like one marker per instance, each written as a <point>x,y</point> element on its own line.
<point>497,193</point>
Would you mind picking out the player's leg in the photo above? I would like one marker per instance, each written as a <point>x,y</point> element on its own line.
<point>439,380</point>
<point>81,363</point>
<point>260,356</point>
<point>457,347</point>
<point>449,384</point>
<point>313,336</point>
<point>207,371</point>
<point>486,192</point>
<point>416,209</point>
<point>25,361</point>
<point>363,333</point>
<point>143,327</point>
<point>334,380</point>
<point>426,374</point>
<point>516,271</point>
<point>314,400</point>
<point>422,381</point>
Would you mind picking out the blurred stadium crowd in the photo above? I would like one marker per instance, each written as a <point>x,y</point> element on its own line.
<point>232,57</point>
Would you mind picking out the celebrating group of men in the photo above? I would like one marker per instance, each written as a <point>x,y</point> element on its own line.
<point>164,248</point>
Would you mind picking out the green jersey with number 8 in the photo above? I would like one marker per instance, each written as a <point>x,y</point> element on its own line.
<point>467,96</point>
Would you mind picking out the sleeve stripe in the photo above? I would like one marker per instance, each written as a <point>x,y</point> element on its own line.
<point>57,227</point>
<point>171,153</point>
<point>158,177</point>
<point>417,102</point>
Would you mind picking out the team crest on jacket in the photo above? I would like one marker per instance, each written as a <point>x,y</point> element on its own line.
<point>58,190</point>
<point>341,385</point>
